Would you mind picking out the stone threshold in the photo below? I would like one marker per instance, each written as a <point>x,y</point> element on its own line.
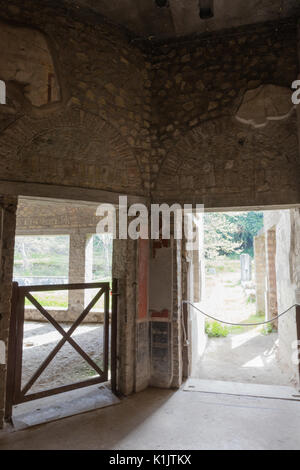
<point>241,389</point>
<point>53,408</point>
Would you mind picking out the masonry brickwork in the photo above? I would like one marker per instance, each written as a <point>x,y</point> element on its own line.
<point>165,108</point>
<point>272,310</point>
<point>105,104</point>
<point>199,150</point>
<point>79,223</point>
<point>260,272</point>
<point>157,120</point>
<point>8,206</point>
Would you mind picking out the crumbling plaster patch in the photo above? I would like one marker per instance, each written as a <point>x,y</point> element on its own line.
<point>263,104</point>
<point>27,68</point>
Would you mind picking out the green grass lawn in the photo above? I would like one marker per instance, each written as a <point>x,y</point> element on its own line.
<point>58,299</point>
<point>216,329</point>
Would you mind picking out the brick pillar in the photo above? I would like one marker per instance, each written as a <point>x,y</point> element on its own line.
<point>298,106</point>
<point>297,368</point>
<point>171,281</point>
<point>260,272</point>
<point>80,244</point>
<point>196,321</point>
<point>161,312</point>
<point>8,206</point>
<point>89,251</point>
<point>124,270</point>
<point>272,308</point>
<point>142,328</point>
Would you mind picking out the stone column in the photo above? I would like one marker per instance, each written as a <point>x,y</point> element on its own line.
<point>271,277</point>
<point>79,257</point>
<point>89,251</point>
<point>246,273</point>
<point>298,106</point>
<point>169,284</point>
<point>193,351</point>
<point>260,272</point>
<point>131,268</point>
<point>142,328</point>
<point>161,312</point>
<point>124,270</point>
<point>8,206</point>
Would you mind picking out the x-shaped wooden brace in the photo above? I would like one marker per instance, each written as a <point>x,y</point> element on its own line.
<point>66,336</point>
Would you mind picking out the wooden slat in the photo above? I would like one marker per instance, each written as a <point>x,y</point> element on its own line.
<point>64,388</point>
<point>17,332</point>
<point>11,355</point>
<point>54,287</point>
<point>106,332</point>
<point>19,343</point>
<point>66,337</point>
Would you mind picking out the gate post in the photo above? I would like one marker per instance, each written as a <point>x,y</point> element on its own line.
<point>113,343</point>
<point>106,332</point>
<point>11,355</point>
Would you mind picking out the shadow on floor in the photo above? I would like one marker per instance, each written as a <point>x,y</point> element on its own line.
<point>164,419</point>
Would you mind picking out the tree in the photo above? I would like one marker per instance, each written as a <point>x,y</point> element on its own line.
<point>249,224</point>
<point>219,236</point>
<point>231,233</point>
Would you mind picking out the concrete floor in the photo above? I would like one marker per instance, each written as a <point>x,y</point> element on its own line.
<point>164,419</point>
<point>249,357</point>
<point>62,405</point>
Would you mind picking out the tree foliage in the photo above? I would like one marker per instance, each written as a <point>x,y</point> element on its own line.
<point>230,233</point>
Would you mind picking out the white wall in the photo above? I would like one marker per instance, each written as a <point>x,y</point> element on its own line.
<point>287,260</point>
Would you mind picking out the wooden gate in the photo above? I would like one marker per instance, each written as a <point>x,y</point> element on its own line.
<point>15,393</point>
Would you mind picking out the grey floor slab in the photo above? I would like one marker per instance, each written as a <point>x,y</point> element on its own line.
<point>242,389</point>
<point>60,406</point>
<point>167,419</point>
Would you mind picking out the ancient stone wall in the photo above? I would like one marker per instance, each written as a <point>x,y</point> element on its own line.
<point>39,217</point>
<point>27,68</point>
<point>170,121</point>
<point>200,150</point>
<point>271,251</point>
<point>8,207</point>
<point>161,310</point>
<point>124,269</point>
<point>121,106</point>
<point>97,134</point>
<point>79,222</point>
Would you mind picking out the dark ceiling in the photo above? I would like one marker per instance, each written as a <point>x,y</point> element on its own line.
<point>181,17</point>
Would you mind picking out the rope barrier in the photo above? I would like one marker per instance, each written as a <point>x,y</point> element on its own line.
<point>240,324</point>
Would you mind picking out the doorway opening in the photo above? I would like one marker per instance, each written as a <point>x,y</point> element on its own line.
<point>249,259</point>
<point>61,312</point>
